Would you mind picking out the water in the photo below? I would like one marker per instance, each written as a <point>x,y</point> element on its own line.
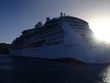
<point>31,70</point>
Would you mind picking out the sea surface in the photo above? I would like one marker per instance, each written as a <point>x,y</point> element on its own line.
<point>32,70</point>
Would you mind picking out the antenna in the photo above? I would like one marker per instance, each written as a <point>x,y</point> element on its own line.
<point>64,14</point>
<point>61,14</point>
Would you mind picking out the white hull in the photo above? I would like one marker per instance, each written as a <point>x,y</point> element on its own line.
<point>58,52</point>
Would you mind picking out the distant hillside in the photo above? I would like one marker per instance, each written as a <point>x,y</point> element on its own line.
<point>4,48</point>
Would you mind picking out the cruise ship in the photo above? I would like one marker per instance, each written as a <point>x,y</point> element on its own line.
<point>63,37</point>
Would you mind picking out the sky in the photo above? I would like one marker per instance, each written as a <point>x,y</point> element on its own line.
<point>18,15</point>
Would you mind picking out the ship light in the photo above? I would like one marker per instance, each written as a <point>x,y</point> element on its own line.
<point>101,29</point>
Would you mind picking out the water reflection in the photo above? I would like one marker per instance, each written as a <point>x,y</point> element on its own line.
<point>6,68</point>
<point>30,70</point>
<point>106,74</point>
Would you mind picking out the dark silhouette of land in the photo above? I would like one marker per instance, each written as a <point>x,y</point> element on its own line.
<point>4,48</point>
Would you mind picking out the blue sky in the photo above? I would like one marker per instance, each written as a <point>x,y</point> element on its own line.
<point>18,15</point>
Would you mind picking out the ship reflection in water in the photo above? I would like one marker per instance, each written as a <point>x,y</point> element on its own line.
<point>106,74</point>
<point>31,70</point>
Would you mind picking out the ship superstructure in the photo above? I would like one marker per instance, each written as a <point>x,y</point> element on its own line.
<point>61,37</point>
